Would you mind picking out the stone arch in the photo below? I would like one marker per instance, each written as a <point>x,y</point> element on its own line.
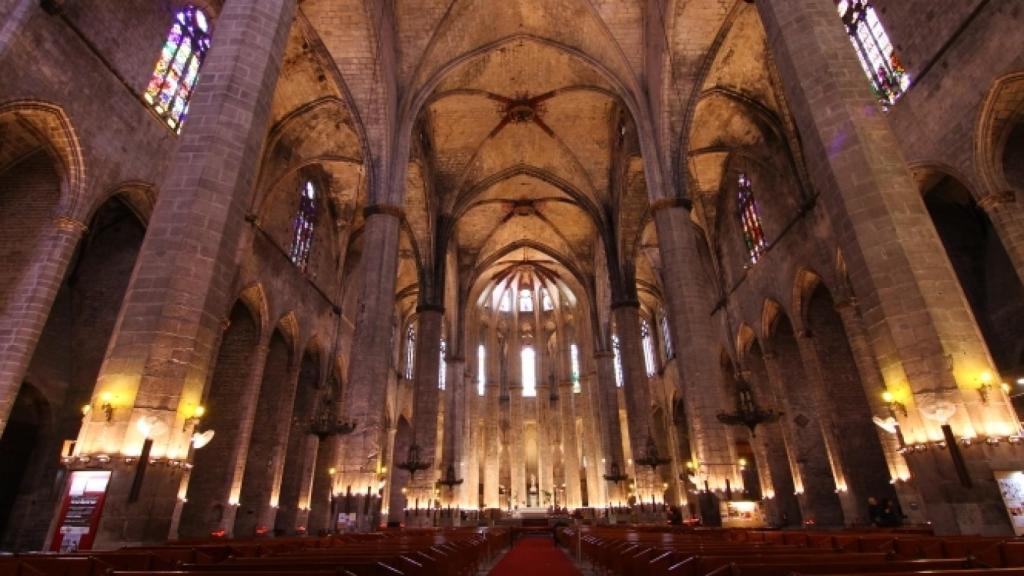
<point>1000,122</point>
<point>65,360</point>
<point>805,282</point>
<point>52,129</point>
<point>254,296</point>
<point>25,446</point>
<point>745,338</point>
<point>984,269</point>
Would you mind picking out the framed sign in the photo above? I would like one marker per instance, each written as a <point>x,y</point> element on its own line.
<point>80,510</point>
<point>1011,488</point>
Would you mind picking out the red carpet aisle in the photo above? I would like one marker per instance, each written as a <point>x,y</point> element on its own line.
<point>536,557</point>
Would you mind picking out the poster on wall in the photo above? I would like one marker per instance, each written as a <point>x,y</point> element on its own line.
<point>80,511</point>
<point>742,514</point>
<point>1011,487</point>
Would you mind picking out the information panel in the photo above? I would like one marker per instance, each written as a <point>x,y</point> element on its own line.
<point>1011,487</point>
<point>80,511</point>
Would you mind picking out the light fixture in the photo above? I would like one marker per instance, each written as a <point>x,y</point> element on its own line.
<point>200,439</point>
<point>747,413</point>
<point>894,404</point>
<point>985,386</point>
<point>193,420</point>
<point>108,407</point>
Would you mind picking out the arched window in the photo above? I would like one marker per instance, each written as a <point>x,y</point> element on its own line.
<point>753,233</point>
<point>574,361</point>
<point>529,361</point>
<point>505,304</point>
<point>546,302</point>
<point>481,369</point>
<point>666,336</point>
<point>176,71</point>
<point>888,78</point>
<point>304,225</point>
<point>617,360</point>
<point>525,300</point>
<point>442,370</point>
<point>650,360</point>
<point>410,351</point>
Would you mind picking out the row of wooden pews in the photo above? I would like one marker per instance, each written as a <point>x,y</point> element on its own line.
<point>456,552</point>
<point>661,551</point>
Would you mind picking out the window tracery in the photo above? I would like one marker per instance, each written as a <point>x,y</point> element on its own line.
<point>177,69</point>
<point>525,300</point>
<point>753,232</point>
<point>410,351</point>
<point>650,360</point>
<point>442,371</point>
<point>874,50</point>
<point>528,359</point>
<point>481,369</point>
<point>617,360</point>
<point>574,361</point>
<point>304,226</point>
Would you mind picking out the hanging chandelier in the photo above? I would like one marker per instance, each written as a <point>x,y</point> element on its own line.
<point>747,413</point>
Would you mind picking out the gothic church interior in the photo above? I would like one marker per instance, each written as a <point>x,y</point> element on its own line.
<point>279,267</point>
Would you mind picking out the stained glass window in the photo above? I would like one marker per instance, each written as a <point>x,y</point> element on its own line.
<point>529,362</point>
<point>304,226</point>
<point>546,302</point>
<point>874,50</point>
<point>410,351</point>
<point>525,300</point>
<point>666,336</point>
<point>505,304</point>
<point>650,361</point>
<point>574,361</point>
<point>481,369</point>
<point>442,369</point>
<point>174,77</point>
<point>617,360</point>
<point>753,233</point>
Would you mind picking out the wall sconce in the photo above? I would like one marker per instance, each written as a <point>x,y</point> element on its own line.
<point>894,404</point>
<point>107,405</point>
<point>193,420</point>
<point>985,386</point>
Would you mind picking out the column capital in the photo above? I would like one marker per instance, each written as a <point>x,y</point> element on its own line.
<point>388,209</point>
<point>626,303</point>
<point>70,224</point>
<point>671,202</point>
<point>990,202</point>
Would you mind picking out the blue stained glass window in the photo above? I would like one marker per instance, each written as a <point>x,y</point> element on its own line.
<point>177,69</point>
<point>304,226</point>
<point>753,233</point>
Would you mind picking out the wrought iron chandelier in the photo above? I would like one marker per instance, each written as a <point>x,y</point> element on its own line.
<point>747,413</point>
<point>412,463</point>
<point>324,424</point>
<point>449,480</point>
<point>615,474</point>
<point>651,457</point>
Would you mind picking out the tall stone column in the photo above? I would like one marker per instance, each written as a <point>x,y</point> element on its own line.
<point>201,500</point>
<point>636,392</point>
<point>871,379</point>
<point>689,307</point>
<point>611,431</point>
<point>929,348</point>
<point>812,473</point>
<point>1007,217</point>
<point>851,500</point>
<point>516,444</point>
<point>545,437</point>
<point>570,456</point>
<point>454,430</point>
<point>29,306</point>
<point>362,450</point>
<point>159,358</point>
<point>492,421</point>
<point>425,407</point>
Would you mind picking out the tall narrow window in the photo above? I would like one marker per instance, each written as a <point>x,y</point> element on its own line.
<point>617,360</point>
<point>888,78</point>
<point>650,360</point>
<point>410,351</point>
<point>666,336</point>
<point>481,369</point>
<point>529,361</point>
<point>546,302</point>
<point>574,361</point>
<point>525,300</point>
<point>505,304</point>
<point>176,71</point>
<point>304,225</point>
<point>442,370</point>
<point>753,233</point>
